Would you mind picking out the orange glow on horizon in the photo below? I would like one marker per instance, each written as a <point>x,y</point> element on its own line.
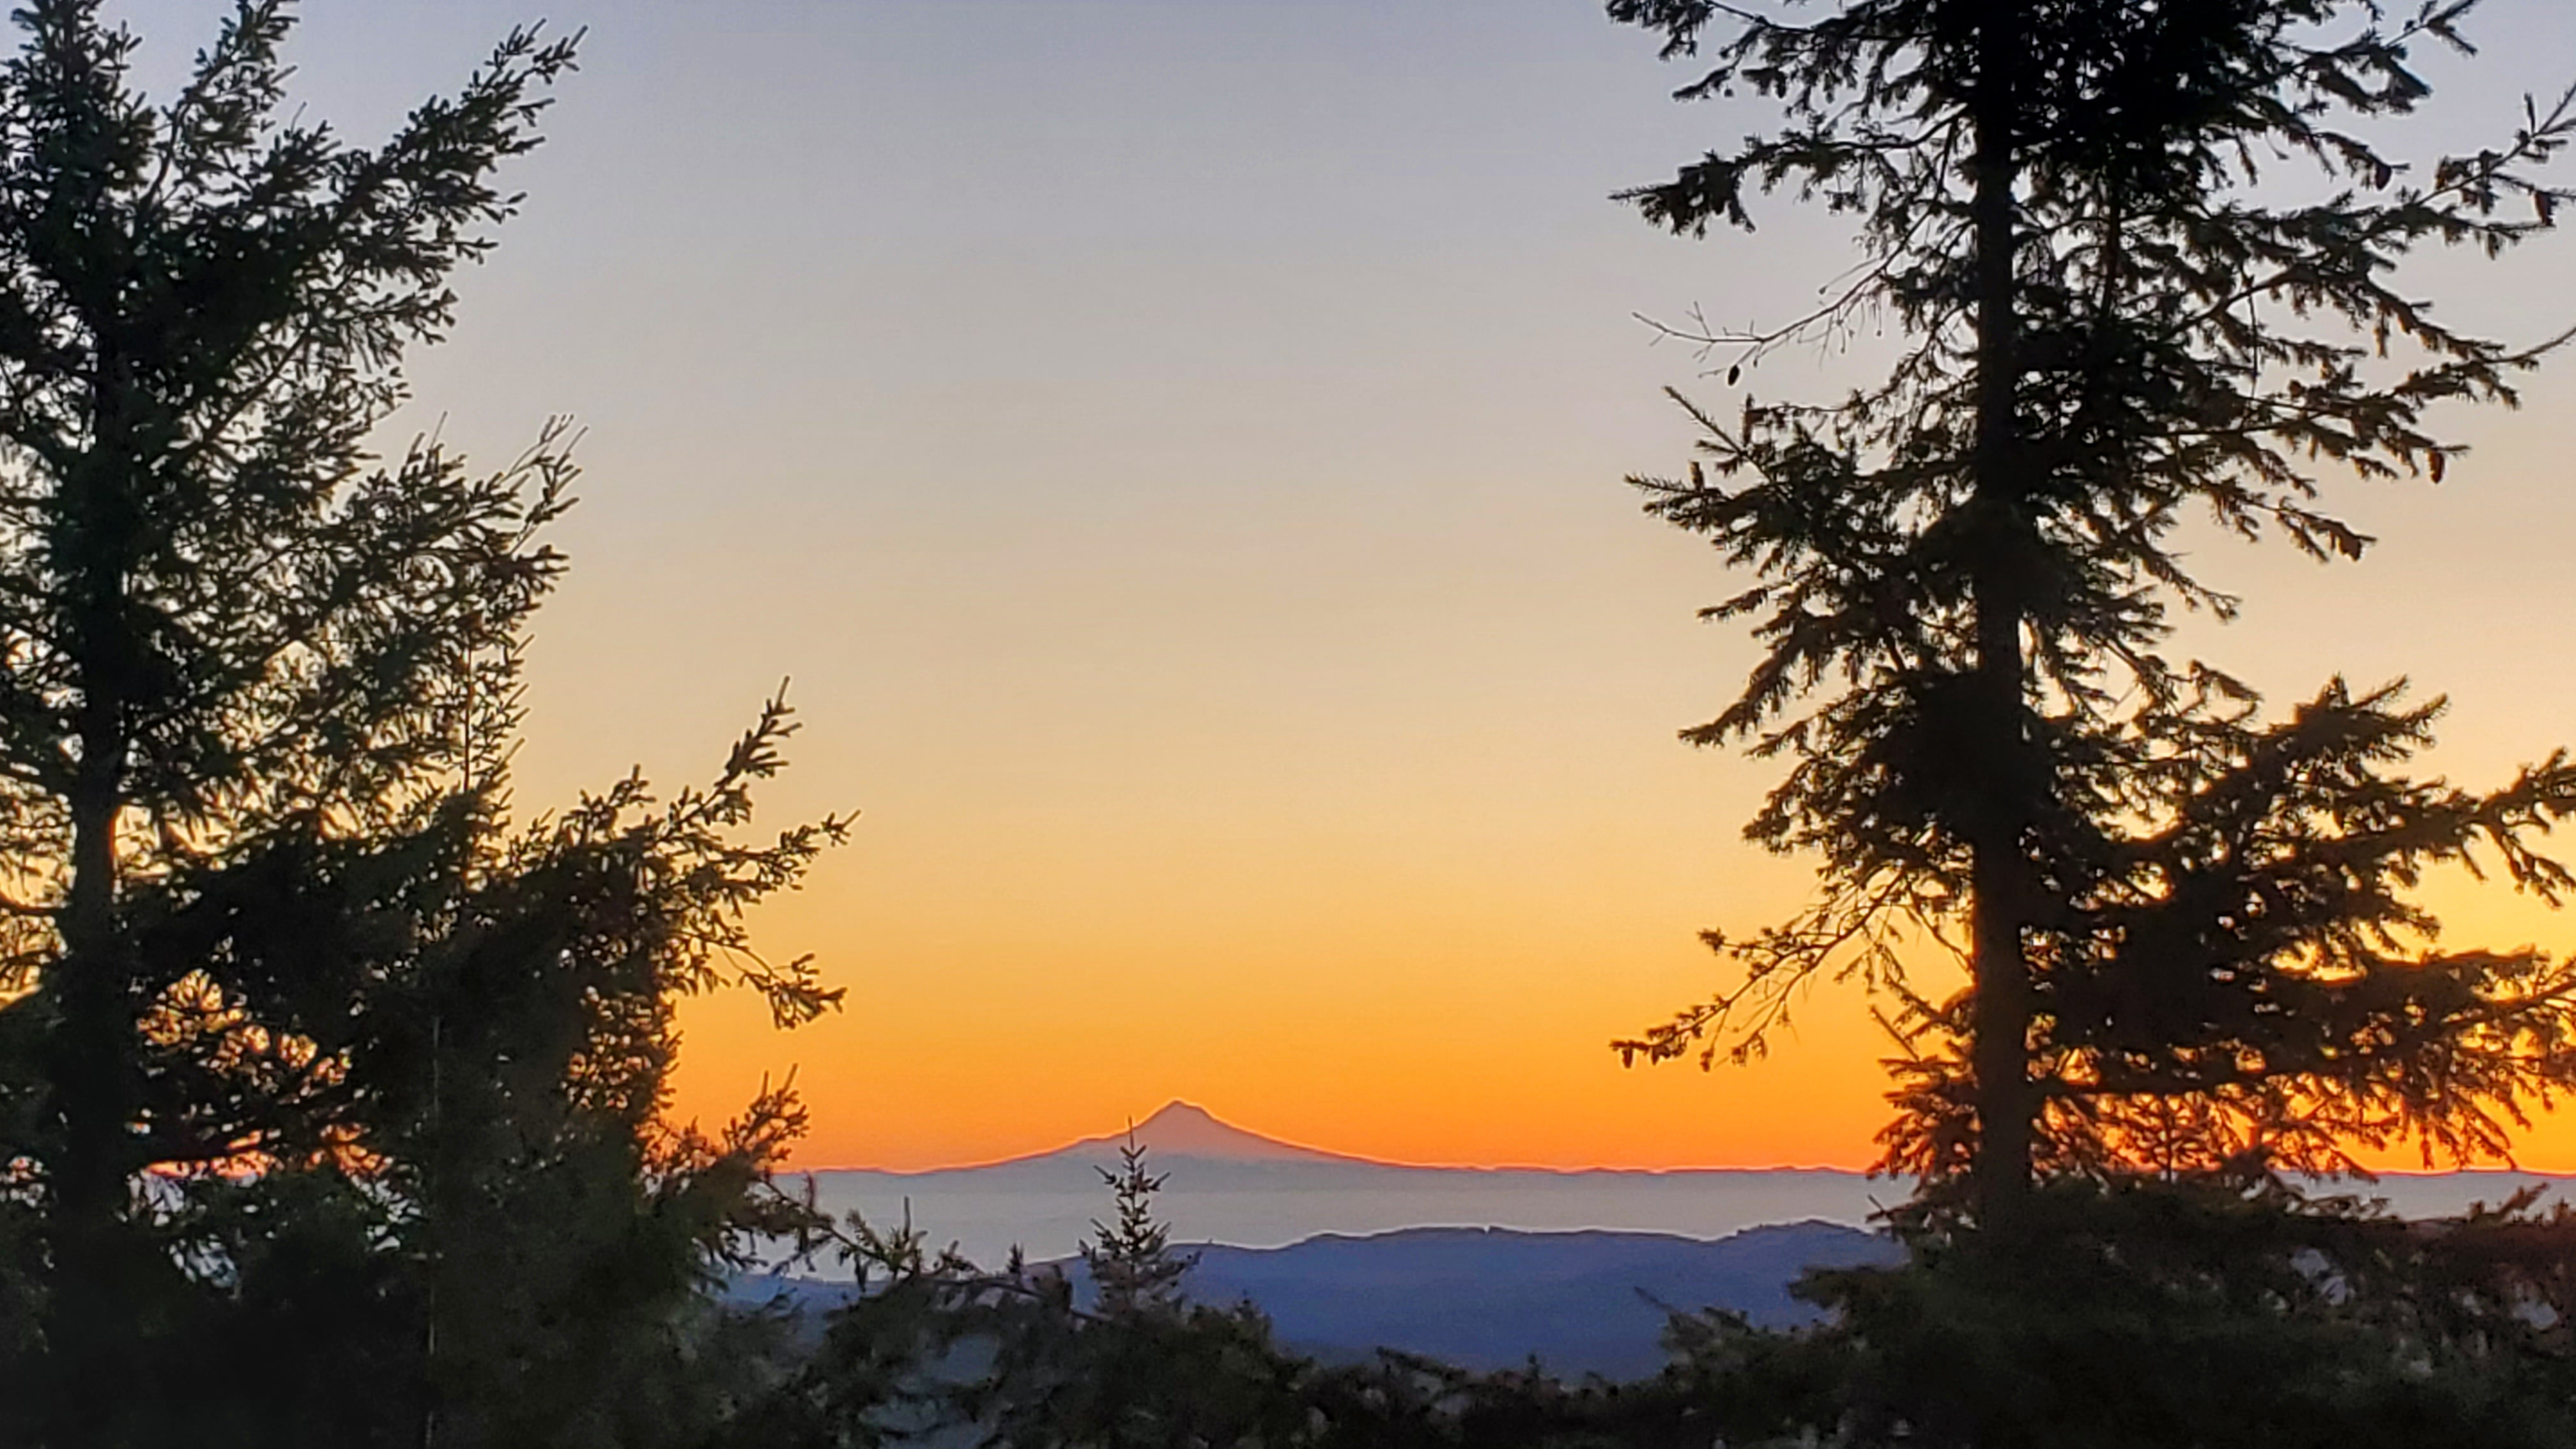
<point>1176,452</point>
<point>951,1070</point>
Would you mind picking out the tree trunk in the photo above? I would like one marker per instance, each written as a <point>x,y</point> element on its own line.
<point>101,1277</point>
<point>94,1294</point>
<point>2000,910</point>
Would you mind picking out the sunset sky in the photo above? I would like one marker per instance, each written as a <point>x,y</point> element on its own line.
<point>1175,449</point>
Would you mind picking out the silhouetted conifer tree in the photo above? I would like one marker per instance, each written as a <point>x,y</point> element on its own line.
<point>2142,261</point>
<point>931,1348</point>
<point>1131,1260</point>
<point>329,1099</point>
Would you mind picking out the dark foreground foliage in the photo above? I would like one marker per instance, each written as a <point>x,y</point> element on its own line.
<point>332,1096</point>
<point>2157,1314</point>
<point>2141,1315</point>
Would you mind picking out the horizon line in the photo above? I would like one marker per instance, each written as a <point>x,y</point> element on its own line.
<point>1364,1160</point>
<point>1357,1158</point>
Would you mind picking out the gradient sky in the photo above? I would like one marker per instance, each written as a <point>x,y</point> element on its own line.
<point>1175,449</point>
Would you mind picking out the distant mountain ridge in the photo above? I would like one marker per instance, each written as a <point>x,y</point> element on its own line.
<point>1226,1184</point>
<point>1181,1128</point>
<point>1486,1298</point>
<point>1494,1298</point>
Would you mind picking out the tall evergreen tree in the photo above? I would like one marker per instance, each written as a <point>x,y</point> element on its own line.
<point>332,1100</point>
<point>2187,928</point>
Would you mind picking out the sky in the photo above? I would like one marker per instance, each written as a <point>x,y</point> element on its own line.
<point>1174,447</point>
